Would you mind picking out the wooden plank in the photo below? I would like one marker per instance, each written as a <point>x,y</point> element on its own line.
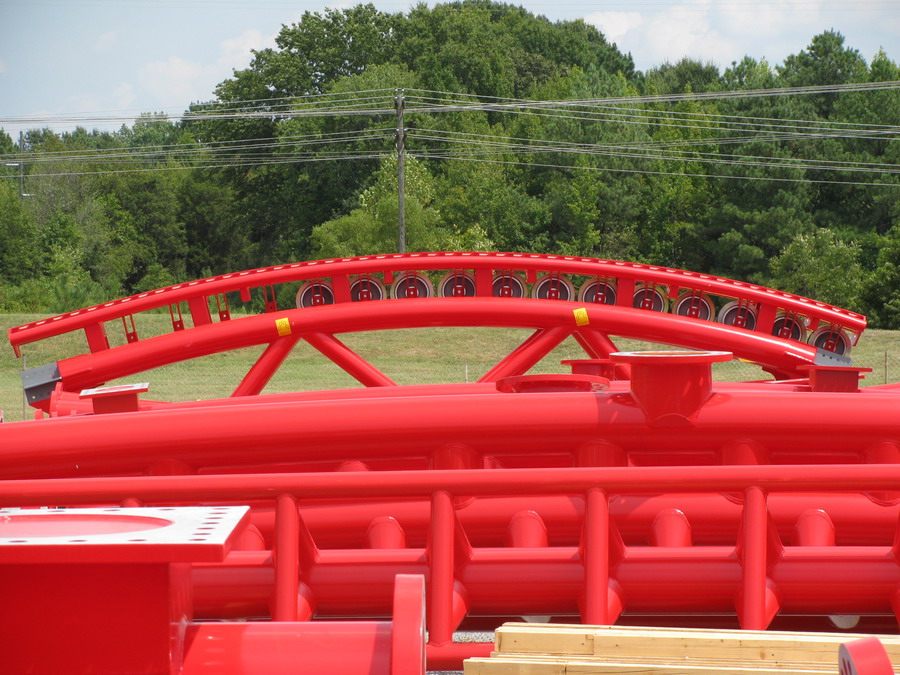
<point>544,639</point>
<point>673,644</point>
<point>779,666</point>
<point>511,666</point>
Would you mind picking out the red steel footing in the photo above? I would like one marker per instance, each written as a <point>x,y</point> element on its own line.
<point>108,592</point>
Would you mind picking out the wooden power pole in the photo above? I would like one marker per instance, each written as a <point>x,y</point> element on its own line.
<point>401,174</point>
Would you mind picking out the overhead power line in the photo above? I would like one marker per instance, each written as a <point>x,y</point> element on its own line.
<point>325,104</point>
<point>444,144</point>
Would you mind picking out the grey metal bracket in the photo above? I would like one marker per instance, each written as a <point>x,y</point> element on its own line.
<point>40,382</point>
<point>826,358</point>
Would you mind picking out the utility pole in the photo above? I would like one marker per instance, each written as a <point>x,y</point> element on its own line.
<point>21,165</point>
<point>401,173</point>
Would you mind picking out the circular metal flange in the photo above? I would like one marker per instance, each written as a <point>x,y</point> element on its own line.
<point>672,357</point>
<point>562,382</point>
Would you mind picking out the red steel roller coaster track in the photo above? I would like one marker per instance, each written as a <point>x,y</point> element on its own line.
<point>634,488</point>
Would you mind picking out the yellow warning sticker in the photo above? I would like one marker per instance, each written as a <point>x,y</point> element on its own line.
<point>283,326</point>
<point>581,316</point>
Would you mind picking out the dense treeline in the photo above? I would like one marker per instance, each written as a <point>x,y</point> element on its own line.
<point>683,165</point>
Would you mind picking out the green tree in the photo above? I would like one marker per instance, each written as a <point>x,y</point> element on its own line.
<point>19,246</point>
<point>821,266</point>
<point>372,227</point>
<point>882,288</point>
<point>825,61</point>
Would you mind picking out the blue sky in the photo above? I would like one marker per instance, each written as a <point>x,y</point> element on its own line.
<point>116,58</point>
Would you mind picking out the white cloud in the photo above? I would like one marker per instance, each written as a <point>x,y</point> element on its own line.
<point>615,25</point>
<point>123,95</point>
<point>702,30</point>
<point>236,52</point>
<point>176,81</point>
<point>708,30</point>
<point>684,31</point>
<point>105,42</point>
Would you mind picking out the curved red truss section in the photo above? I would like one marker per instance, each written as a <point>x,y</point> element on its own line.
<point>768,304</point>
<point>553,321</point>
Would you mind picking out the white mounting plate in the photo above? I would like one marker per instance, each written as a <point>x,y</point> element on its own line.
<point>116,535</point>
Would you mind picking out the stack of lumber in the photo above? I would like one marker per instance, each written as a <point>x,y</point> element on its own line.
<point>552,649</point>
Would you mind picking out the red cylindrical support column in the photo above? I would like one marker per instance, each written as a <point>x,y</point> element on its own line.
<point>440,563</point>
<point>408,630</point>
<point>287,559</point>
<point>755,605</point>
<point>595,556</point>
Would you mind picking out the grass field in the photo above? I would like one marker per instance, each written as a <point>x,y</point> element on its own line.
<point>424,355</point>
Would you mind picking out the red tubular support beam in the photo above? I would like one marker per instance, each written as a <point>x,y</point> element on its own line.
<point>350,647</point>
<point>530,428</point>
<point>287,560</point>
<point>322,323</point>
<point>843,478</point>
<point>261,371</point>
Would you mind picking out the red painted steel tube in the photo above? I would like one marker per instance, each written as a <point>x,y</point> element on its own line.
<point>90,370</point>
<point>596,554</point>
<point>450,656</point>
<point>529,353</point>
<point>269,361</point>
<point>753,555</point>
<point>66,403</point>
<point>493,482</point>
<point>799,428</point>
<point>262,648</point>
<point>856,519</point>
<point>351,647</point>
<point>349,360</point>
<point>287,559</point>
<point>440,578</point>
<point>503,581</point>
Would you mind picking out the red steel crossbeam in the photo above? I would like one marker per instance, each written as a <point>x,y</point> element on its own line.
<point>198,293</point>
<point>754,577</point>
<point>651,423</point>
